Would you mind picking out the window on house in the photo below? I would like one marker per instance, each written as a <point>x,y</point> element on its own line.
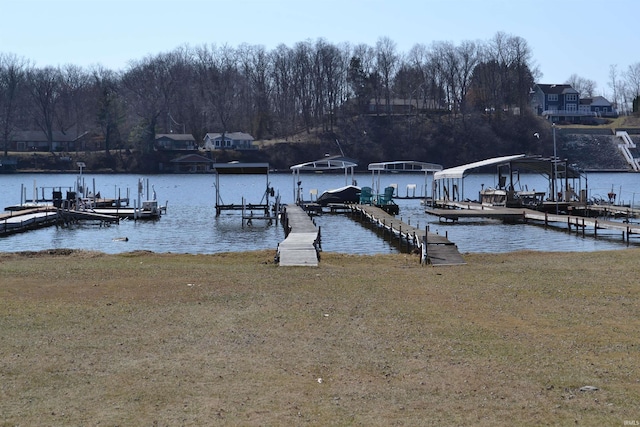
<point>571,107</point>
<point>553,97</point>
<point>572,97</point>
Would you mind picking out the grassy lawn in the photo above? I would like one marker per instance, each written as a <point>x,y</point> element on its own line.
<point>162,339</point>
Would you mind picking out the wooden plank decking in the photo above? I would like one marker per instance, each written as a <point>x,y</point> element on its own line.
<point>299,248</point>
<point>436,249</point>
<point>475,210</point>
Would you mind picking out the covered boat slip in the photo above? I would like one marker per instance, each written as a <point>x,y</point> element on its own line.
<point>349,193</point>
<point>566,185</point>
<point>248,209</point>
<point>329,163</point>
<point>403,166</point>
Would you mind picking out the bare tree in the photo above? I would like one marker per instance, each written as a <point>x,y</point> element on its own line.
<point>257,71</point>
<point>148,86</point>
<point>75,106</point>
<point>360,76</point>
<point>614,83</point>
<point>444,61</point>
<point>45,87</point>
<point>303,81</point>
<point>110,107</point>
<point>12,82</point>
<point>221,84</point>
<point>331,74</point>
<point>632,84</point>
<point>585,87</point>
<point>387,61</point>
<point>467,57</point>
<point>282,95</point>
<point>504,76</point>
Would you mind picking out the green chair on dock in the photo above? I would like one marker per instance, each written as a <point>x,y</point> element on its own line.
<point>387,197</point>
<point>366,196</point>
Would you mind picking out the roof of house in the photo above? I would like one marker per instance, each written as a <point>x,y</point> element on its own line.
<point>191,158</point>
<point>230,135</point>
<point>176,136</point>
<point>238,168</point>
<point>556,89</point>
<point>596,101</point>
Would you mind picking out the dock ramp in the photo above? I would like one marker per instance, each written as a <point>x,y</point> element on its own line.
<point>300,247</point>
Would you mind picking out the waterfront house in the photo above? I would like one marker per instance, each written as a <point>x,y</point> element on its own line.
<point>562,103</point>
<point>191,163</point>
<point>37,140</point>
<point>229,141</point>
<point>598,105</point>
<point>175,142</point>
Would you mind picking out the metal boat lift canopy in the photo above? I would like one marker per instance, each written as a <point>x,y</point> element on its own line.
<point>402,166</point>
<point>552,168</point>
<point>460,172</point>
<point>324,164</point>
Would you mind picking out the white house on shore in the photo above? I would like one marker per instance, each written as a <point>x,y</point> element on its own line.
<point>229,141</point>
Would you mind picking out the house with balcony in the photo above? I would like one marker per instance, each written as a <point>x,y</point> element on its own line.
<point>229,141</point>
<point>561,103</point>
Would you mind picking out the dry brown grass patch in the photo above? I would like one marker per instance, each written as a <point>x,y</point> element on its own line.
<point>143,338</point>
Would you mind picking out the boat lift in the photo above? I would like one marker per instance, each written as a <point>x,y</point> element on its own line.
<point>248,214</point>
<point>324,164</point>
<point>402,166</point>
<point>565,181</point>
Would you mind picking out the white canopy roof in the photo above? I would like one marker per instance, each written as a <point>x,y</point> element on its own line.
<point>462,171</point>
<point>405,166</point>
<point>327,163</point>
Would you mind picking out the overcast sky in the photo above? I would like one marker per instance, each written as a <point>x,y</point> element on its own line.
<point>583,37</point>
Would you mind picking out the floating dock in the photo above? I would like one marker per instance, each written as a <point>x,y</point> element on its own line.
<point>301,246</point>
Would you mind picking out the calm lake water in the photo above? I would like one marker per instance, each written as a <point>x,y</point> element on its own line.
<point>191,226</point>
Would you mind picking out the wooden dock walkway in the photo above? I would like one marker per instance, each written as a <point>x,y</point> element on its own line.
<point>577,222</point>
<point>435,249</point>
<point>33,218</point>
<point>300,247</point>
<point>27,219</point>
